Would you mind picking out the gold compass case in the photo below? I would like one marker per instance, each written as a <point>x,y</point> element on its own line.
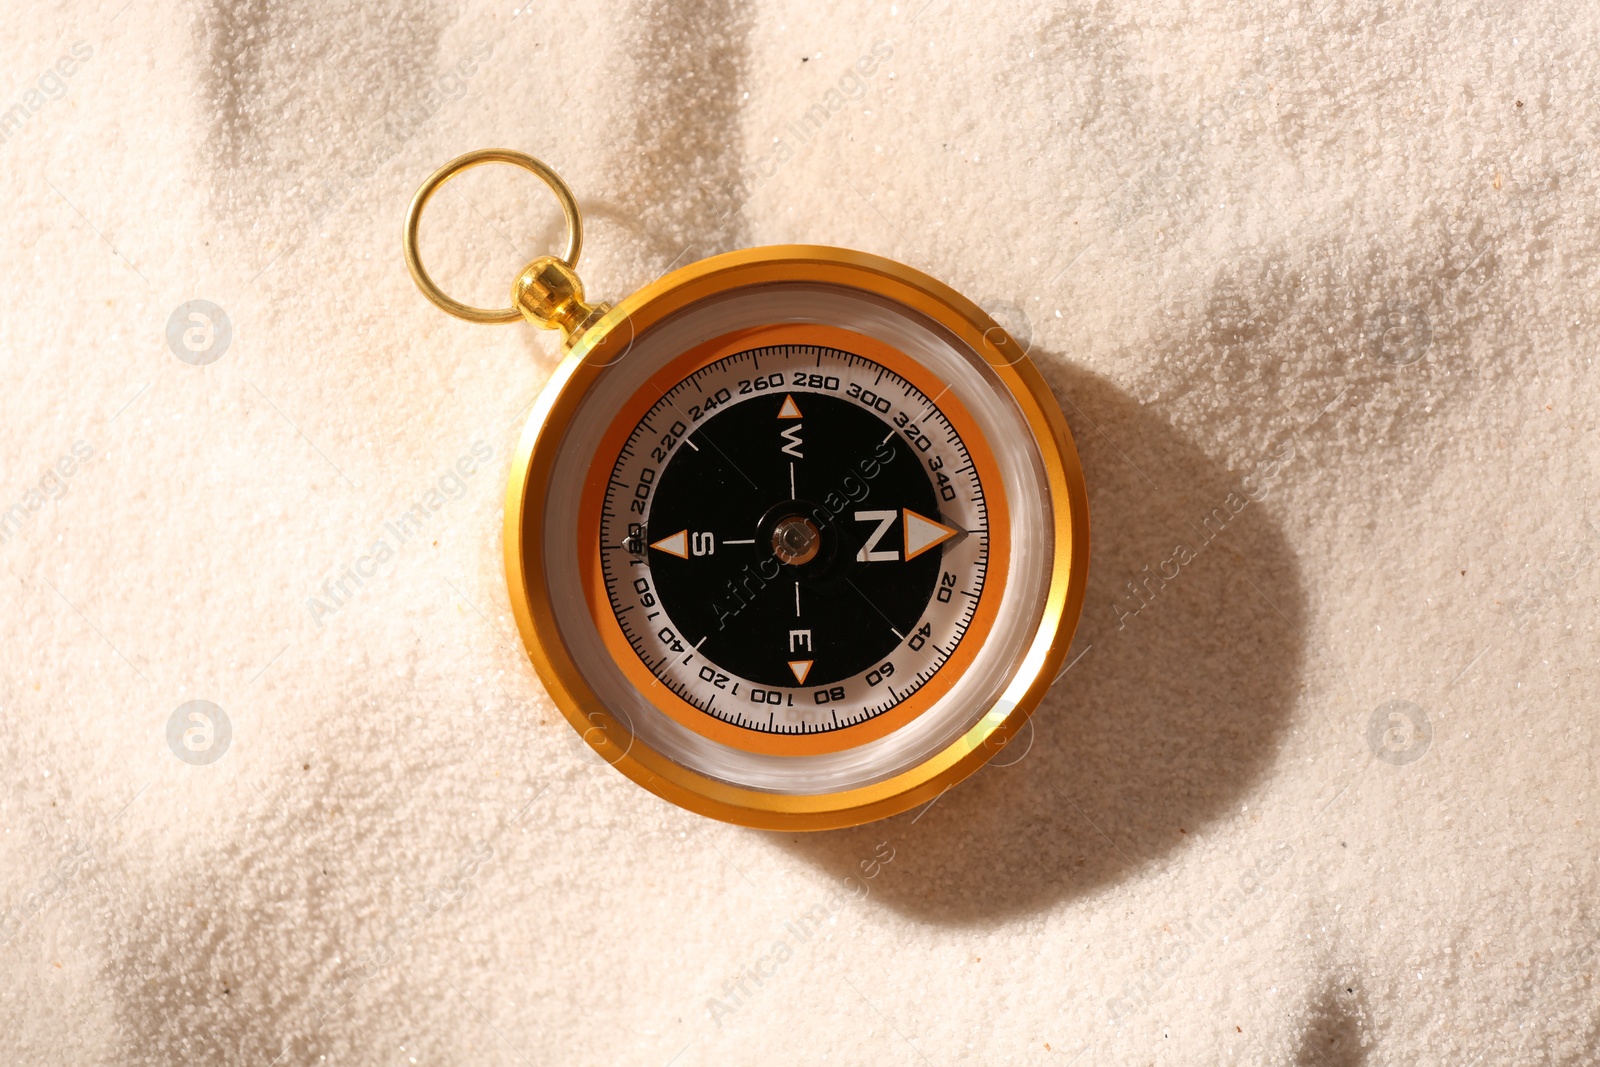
<point>1018,637</point>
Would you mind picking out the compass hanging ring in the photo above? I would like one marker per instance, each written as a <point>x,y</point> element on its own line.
<point>419,273</point>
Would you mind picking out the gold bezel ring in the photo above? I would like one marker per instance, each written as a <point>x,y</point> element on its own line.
<point>524,531</point>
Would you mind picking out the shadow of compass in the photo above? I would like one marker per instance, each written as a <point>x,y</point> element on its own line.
<point>1168,714</point>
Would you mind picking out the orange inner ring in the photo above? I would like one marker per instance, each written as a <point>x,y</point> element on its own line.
<point>593,577</point>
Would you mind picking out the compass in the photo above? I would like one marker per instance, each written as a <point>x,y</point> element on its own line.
<point>796,536</point>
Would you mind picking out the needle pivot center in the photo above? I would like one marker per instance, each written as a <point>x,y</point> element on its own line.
<point>796,540</point>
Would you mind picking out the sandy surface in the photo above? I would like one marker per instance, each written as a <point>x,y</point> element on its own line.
<point>1321,795</point>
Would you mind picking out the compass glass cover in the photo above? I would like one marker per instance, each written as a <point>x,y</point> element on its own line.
<point>797,538</point>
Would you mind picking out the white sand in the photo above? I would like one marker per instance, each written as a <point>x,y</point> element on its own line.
<point>1342,256</point>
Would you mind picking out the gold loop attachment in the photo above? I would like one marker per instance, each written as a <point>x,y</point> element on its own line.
<point>419,273</point>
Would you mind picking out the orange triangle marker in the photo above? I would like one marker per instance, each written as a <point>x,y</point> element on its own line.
<point>790,410</point>
<point>675,545</point>
<point>801,668</point>
<point>922,533</point>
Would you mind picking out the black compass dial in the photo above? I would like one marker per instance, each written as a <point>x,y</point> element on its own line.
<point>789,506</point>
<point>794,539</point>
